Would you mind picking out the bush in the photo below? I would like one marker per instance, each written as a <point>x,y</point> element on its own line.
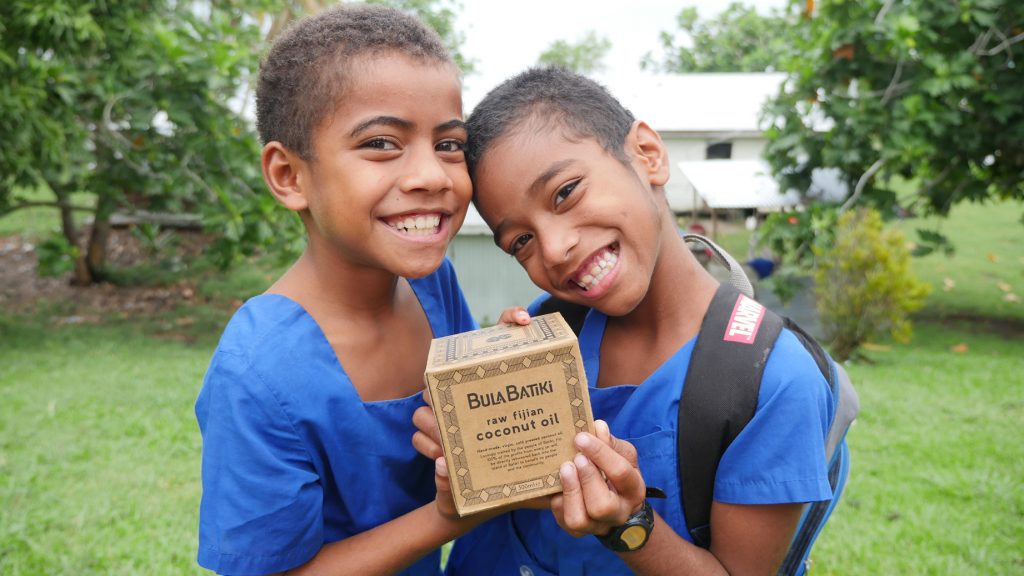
<point>792,237</point>
<point>863,283</point>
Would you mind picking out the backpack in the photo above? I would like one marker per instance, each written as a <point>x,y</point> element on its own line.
<point>720,396</point>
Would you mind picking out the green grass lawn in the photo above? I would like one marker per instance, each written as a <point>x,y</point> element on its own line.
<point>99,450</point>
<point>985,276</point>
<point>937,466</point>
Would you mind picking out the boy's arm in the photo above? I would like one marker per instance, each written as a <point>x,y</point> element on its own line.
<point>603,486</point>
<point>394,545</point>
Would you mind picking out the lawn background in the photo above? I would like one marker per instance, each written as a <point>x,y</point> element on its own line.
<point>99,450</point>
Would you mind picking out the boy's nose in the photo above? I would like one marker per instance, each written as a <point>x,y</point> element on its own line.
<point>556,244</point>
<point>425,172</point>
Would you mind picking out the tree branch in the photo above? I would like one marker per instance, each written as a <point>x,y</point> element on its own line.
<point>861,183</point>
<point>1005,44</point>
<point>981,41</point>
<point>890,91</point>
<point>40,204</point>
<point>881,13</point>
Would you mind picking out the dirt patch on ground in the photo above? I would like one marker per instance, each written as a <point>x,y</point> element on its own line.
<point>23,291</point>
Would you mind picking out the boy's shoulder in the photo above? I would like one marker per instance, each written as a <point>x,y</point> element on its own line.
<point>260,321</point>
<point>264,337</point>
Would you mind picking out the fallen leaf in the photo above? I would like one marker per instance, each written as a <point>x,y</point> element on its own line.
<point>948,284</point>
<point>959,348</point>
<point>876,347</point>
<point>1003,286</point>
<point>991,257</point>
<point>1011,297</point>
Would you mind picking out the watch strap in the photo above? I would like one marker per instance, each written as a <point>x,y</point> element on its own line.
<point>632,535</point>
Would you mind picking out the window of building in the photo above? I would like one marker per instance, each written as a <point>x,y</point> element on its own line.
<point>719,151</point>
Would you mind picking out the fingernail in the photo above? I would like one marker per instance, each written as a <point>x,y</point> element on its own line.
<point>522,316</point>
<point>441,467</point>
<point>581,461</point>
<point>566,469</point>
<point>583,440</point>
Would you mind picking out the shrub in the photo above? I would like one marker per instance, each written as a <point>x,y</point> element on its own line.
<point>791,237</point>
<point>863,283</point>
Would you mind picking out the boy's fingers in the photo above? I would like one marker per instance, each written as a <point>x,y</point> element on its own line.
<point>515,315</point>
<point>619,469</point>
<point>441,474</point>
<point>602,432</point>
<point>426,397</point>
<point>423,419</point>
<point>570,511</point>
<point>426,446</point>
<point>601,503</point>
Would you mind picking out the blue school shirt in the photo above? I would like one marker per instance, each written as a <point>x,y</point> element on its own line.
<point>292,458</point>
<point>779,457</point>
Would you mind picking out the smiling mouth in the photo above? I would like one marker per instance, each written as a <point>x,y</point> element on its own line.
<point>591,273</point>
<point>416,225</point>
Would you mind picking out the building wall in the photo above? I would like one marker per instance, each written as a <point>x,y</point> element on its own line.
<point>490,279</point>
<point>681,195</point>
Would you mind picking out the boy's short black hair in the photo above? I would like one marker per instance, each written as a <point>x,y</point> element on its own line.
<point>306,70</point>
<point>549,96</point>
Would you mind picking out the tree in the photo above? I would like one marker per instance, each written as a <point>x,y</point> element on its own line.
<point>916,90</point>
<point>128,101</point>
<point>737,40</point>
<point>140,104</point>
<point>584,56</point>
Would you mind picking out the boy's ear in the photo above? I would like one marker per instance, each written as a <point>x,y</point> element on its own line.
<point>283,171</point>
<point>645,145</point>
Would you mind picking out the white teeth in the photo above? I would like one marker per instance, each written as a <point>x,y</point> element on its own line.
<point>423,225</point>
<point>602,265</point>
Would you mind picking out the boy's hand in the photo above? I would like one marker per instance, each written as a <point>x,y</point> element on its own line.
<point>443,500</point>
<point>515,315</point>
<point>601,487</point>
<point>427,438</point>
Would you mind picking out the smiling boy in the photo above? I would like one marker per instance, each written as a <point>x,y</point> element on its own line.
<point>306,407</point>
<point>573,188</point>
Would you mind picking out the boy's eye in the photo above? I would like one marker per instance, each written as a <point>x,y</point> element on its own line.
<point>450,145</point>
<point>564,192</point>
<point>379,144</point>
<point>518,243</point>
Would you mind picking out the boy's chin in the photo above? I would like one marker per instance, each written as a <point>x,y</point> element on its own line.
<point>420,268</point>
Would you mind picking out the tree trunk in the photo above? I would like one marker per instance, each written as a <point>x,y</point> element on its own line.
<point>81,275</point>
<point>96,249</point>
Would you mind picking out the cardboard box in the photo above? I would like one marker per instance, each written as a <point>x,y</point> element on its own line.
<point>508,400</point>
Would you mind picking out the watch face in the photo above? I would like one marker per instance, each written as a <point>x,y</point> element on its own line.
<point>634,537</point>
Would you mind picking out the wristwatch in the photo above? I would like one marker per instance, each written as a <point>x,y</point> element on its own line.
<point>632,535</point>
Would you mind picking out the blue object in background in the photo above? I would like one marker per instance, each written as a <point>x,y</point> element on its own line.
<point>762,266</point>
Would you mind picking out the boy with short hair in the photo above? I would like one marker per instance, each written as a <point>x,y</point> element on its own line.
<point>573,188</point>
<point>306,408</point>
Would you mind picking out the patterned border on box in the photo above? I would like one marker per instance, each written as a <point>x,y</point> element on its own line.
<point>447,380</point>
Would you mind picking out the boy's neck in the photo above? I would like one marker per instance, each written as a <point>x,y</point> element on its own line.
<point>325,284</point>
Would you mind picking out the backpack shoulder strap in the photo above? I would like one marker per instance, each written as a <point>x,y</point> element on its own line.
<point>574,314</point>
<point>719,395</point>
